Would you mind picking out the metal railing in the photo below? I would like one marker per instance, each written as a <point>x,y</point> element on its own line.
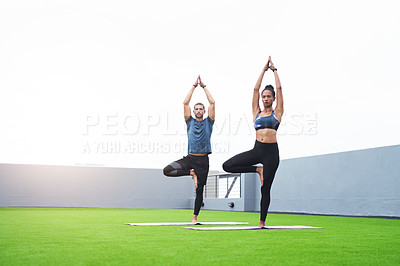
<point>221,186</point>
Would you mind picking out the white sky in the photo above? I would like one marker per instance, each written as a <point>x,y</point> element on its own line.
<point>102,82</point>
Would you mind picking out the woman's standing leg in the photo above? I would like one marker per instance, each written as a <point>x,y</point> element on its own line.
<point>270,163</point>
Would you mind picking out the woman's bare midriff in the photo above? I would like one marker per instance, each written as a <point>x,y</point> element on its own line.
<point>266,135</point>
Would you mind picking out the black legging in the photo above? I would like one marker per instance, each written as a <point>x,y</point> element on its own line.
<point>182,167</point>
<point>268,155</point>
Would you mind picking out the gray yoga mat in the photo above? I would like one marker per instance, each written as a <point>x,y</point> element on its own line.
<point>200,223</point>
<point>224,228</point>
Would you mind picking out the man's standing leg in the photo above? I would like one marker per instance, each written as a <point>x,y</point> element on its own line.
<point>201,167</point>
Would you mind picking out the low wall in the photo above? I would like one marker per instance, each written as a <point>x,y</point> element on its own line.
<point>76,186</point>
<point>359,183</point>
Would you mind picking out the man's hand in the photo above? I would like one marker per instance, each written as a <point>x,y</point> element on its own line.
<point>196,83</point>
<point>200,82</point>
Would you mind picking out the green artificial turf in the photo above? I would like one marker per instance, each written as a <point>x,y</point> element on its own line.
<point>85,236</point>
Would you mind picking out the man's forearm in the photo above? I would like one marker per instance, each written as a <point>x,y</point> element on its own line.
<point>209,96</point>
<point>188,97</point>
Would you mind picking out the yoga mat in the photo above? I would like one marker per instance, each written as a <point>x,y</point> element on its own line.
<point>200,223</point>
<point>222,228</point>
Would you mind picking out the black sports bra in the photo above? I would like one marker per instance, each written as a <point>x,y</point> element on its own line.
<point>266,122</point>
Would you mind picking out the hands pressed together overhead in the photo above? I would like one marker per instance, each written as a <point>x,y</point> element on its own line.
<point>270,65</point>
<point>199,81</point>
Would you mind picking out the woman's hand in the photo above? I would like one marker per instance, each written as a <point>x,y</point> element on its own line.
<point>267,65</point>
<point>271,65</point>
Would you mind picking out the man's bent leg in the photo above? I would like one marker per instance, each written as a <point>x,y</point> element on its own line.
<point>178,168</point>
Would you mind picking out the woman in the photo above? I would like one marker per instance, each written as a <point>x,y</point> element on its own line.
<point>265,151</point>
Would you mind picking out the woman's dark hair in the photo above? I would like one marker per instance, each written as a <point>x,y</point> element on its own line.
<point>269,88</point>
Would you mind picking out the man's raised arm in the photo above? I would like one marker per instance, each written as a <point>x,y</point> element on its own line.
<point>186,107</point>
<point>211,101</point>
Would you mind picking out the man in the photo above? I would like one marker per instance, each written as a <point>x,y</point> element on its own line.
<point>199,131</point>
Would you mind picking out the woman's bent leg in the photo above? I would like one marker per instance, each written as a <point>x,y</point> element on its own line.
<point>242,163</point>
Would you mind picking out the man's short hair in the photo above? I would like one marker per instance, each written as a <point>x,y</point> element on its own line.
<point>199,104</point>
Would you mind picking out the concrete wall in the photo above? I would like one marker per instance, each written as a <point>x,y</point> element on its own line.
<point>364,182</point>
<point>72,186</point>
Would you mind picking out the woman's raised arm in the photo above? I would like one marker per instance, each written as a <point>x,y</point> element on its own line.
<point>279,97</point>
<point>256,93</point>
